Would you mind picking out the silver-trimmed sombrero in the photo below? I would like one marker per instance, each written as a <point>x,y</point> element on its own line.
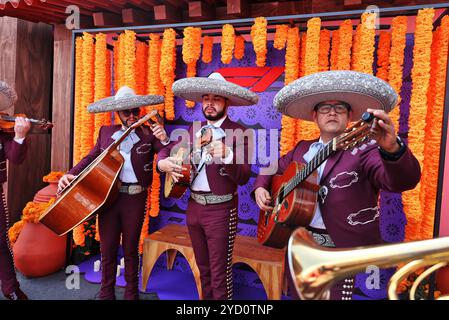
<point>124,99</point>
<point>360,90</point>
<point>8,96</point>
<point>194,88</point>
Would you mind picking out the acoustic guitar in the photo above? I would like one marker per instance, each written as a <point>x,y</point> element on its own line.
<point>94,187</point>
<point>295,192</point>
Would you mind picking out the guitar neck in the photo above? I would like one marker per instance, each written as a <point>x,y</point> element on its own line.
<point>12,119</point>
<point>311,166</point>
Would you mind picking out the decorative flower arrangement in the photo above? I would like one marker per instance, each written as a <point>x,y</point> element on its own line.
<point>323,55</point>
<point>78,94</point>
<point>334,50</point>
<point>167,70</point>
<point>154,82</point>
<point>418,112</point>
<point>302,60</point>
<point>227,43</point>
<point>191,51</point>
<point>101,85</point>
<point>130,59</point>
<point>239,51</point>
<point>259,38</point>
<point>208,44</point>
<point>280,37</point>
<point>344,46</point>
<point>383,55</point>
<point>141,68</point>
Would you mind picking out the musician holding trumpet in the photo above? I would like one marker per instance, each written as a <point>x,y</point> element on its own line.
<point>212,209</point>
<point>347,213</point>
<point>125,215</point>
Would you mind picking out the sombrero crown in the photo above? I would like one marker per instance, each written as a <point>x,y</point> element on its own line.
<point>360,90</point>
<point>8,96</point>
<point>195,88</point>
<point>124,99</point>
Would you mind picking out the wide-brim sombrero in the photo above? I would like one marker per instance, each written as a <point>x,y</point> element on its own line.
<point>360,90</point>
<point>124,99</point>
<point>195,88</point>
<point>8,96</point>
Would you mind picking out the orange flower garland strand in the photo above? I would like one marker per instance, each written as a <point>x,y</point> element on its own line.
<point>239,50</point>
<point>383,55</point>
<point>141,68</point>
<point>208,44</point>
<point>398,38</point>
<point>356,52</point>
<point>259,39</point>
<point>154,83</point>
<point>302,59</point>
<point>167,70</point>
<point>323,56</point>
<point>108,115</point>
<point>130,59</point>
<point>280,37</point>
<point>434,128</point>
<point>227,43</point>
<point>101,84</point>
<point>344,46</point>
<point>78,93</point>
<point>334,50</point>
<point>191,51</point>
<point>367,41</point>
<point>291,73</point>
<point>418,112</point>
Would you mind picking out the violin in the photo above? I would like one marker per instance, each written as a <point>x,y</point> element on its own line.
<point>7,122</point>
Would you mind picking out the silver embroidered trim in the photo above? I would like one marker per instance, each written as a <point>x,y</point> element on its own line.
<point>205,199</point>
<point>354,179</point>
<point>353,215</point>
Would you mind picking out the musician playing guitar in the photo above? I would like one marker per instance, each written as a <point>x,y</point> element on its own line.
<point>12,148</point>
<point>125,215</point>
<point>212,209</point>
<point>347,212</point>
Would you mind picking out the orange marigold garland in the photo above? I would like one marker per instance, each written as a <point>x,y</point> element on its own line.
<point>154,83</point>
<point>141,68</point>
<point>78,93</point>
<point>291,73</point>
<point>101,85</point>
<point>433,129</point>
<point>208,44</point>
<point>383,55</point>
<point>368,33</point>
<point>227,43</point>
<point>323,56</point>
<point>191,51</point>
<point>239,50</point>
<point>280,37</point>
<point>344,46</point>
<point>108,115</point>
<point>302,59</point>
<point>259,39</point>
<point>130,59</point>
<point>418,112</point>
<point>356,46</point>
<point>167,70</point>
<point>334,50</point>
<point>398,38</point>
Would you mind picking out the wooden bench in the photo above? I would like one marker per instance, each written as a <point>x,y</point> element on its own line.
<point>267,262</point>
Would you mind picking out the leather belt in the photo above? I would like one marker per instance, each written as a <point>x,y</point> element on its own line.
<point>210,198</point>
<point>132,189</point>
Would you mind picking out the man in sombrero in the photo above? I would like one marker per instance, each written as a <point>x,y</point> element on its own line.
<point>347,214</point>
<point>12,148</point>
<point>212,209</point>
<point>124,216</point>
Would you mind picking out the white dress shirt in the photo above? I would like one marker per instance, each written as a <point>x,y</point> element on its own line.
<point>201,183</point>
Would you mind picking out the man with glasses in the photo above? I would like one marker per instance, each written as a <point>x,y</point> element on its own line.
<point>126,214</point>
<point>347,212</point>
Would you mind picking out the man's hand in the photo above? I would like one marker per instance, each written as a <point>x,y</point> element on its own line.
<point>218,149</point>
<point>263,199</point>
<point>65,181</point>
<point>170,166</point>
<point>384,132</point>
<point>21,127</point>
<point>159,132</point>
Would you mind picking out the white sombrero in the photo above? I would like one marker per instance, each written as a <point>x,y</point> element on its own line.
<point>124,99</point>
<point>8,96</point>
<point>195,88</point>
<point>360,90</point>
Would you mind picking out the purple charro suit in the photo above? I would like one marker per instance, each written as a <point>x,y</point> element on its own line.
<point>124,216</point>
<point>14,152</point>
<point>212,227</point>
<point>354,179</point>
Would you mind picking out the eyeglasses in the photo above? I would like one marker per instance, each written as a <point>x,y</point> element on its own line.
<point>338,108</point>
<point>135,112</point>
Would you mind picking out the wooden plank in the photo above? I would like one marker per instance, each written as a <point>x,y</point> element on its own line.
<point>61,112</point>
<point>237,8</point>
<point>33,85</point>
<point>200,10</point>
<point>136,17</point>
<point>107,19</point>
<point>167,13</point>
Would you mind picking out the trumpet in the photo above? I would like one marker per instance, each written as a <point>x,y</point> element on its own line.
<point>315,269</point>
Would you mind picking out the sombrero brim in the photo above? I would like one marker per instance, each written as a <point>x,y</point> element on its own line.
<point>8,96</point>
<point>195,88</point>
<point>111,104</point>
<point>361,91</point>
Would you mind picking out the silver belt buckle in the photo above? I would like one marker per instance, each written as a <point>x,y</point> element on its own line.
<point>134,189</point>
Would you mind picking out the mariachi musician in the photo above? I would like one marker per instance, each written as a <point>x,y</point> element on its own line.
<point>126,214</point>
<point>12,148</point>
<point>347,214</point>
<point>212,209</point>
